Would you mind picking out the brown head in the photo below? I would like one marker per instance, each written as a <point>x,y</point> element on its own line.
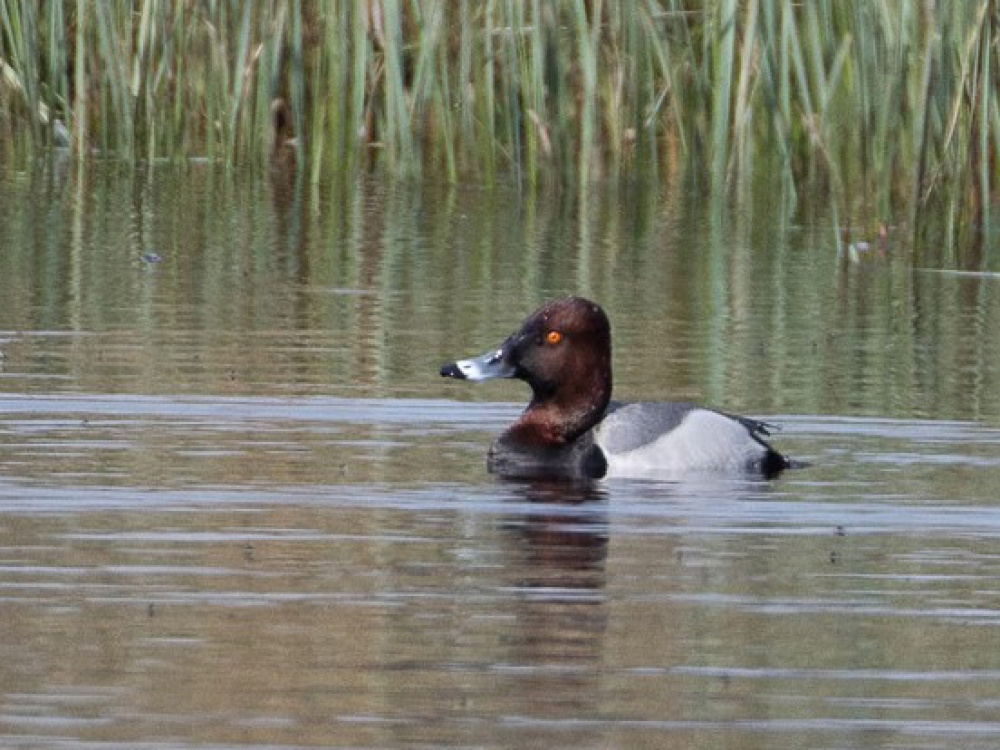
<point>563,351</point>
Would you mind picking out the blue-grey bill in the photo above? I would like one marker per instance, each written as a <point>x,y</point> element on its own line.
<point>485,367</point>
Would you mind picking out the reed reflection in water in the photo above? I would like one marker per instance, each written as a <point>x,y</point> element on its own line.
<point>364,288</point>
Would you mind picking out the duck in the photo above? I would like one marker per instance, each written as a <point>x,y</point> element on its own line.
<point>571,427</point>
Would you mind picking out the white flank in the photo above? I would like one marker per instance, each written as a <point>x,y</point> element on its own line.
<point>705,442</point>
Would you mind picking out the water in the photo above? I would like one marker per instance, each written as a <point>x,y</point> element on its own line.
<point>239,508</point>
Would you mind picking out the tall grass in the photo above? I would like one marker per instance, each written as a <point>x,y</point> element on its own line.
<point>882,105</point>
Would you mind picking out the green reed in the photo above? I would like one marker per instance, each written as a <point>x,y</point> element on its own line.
<point>881,106</point>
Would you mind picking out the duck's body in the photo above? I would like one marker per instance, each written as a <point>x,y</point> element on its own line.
<point>571,428</point>
<point>673,439</point>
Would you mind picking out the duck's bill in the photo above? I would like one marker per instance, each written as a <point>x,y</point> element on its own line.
<point>486,367</point>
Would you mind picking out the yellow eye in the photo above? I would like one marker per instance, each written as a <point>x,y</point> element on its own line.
<point>553,337</point>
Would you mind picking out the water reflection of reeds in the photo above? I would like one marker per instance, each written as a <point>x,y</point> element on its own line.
<point>189,281</point>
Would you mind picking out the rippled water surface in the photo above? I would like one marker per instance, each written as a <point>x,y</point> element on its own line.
<point>238,507</point>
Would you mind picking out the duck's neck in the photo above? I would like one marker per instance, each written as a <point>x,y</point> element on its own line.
<point>560,418</point>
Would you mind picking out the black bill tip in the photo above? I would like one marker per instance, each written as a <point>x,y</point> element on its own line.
<point>451,370</point>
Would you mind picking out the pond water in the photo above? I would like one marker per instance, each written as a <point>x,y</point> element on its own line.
<point>239,507</point>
